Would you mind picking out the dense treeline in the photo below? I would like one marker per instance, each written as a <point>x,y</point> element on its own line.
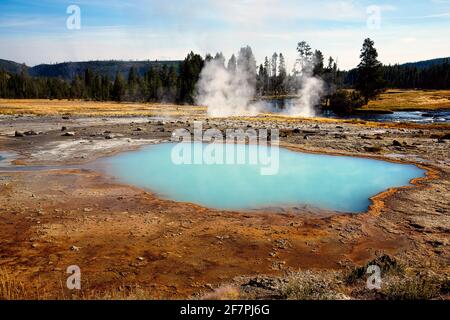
<point>274,80</point>
<point>177,82</point>
<point>435,76</point>
<point>159,83</point>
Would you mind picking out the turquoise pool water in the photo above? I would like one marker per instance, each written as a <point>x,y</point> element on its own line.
<point>337,183</point>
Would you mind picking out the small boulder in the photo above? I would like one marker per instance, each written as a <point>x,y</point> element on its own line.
<point>18,134</point>
<point>69,134</point>
<point>30,133</point>
<point>395,143</point>
<point>64,129</point>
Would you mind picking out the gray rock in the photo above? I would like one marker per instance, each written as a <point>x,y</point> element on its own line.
<point>395,143</point>
<point>30,133</point>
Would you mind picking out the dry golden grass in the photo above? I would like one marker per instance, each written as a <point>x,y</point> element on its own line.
<point>396,100</point>
<point>391,100</point>
<point>91,108</point>
<point>10,287</point>
<point>13,288</point>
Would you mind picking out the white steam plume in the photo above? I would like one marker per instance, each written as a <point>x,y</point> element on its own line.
<point>308,97</point>
<point>310,88</point>
<point>229,91</point>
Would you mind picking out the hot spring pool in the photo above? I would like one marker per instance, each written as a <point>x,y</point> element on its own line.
<point>336,183</point>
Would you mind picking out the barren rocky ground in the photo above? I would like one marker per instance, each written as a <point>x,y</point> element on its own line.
<point>128,240</point>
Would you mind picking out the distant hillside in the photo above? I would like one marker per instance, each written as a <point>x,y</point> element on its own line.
<point>427,74</point>
<point>10,66</point>
<point>426,63</point>
<point>68,70</point>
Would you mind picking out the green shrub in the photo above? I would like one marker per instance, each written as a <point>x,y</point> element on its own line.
<point>345,102</point>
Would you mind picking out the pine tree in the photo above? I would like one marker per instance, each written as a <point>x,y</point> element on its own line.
<point>266,79</point>
<point>274,65</point>
<point>369,73</point>
<point>260,81</point>
<point>119,88</point>
<point>155,85</point>
<point>22,83</point>
<point>172,79</point>
<point>220,59</point>
<point>88,81</point>
<point>318,63</point>
<point>273,72</point>
<point>189,74</point>
<point>304,62</point>
<point>282,75</point>
<point>232,64</point>
<point>77,88</point>
<point>132,83</point>
<point>208,57</point>
<point>106,88</point>
<point>4,77</point>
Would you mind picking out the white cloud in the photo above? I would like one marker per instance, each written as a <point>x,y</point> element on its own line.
<point>338,28</point>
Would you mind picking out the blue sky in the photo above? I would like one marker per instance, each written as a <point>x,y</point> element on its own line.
<point>35,31</point>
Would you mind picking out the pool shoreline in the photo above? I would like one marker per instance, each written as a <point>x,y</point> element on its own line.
<point>377,201</point>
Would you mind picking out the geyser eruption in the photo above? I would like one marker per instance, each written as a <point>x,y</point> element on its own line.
<point>310,88</point>
<point>308,97</point>
<point>229,91</point>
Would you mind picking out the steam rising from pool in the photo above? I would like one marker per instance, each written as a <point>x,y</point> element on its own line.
<point>230,91</point>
